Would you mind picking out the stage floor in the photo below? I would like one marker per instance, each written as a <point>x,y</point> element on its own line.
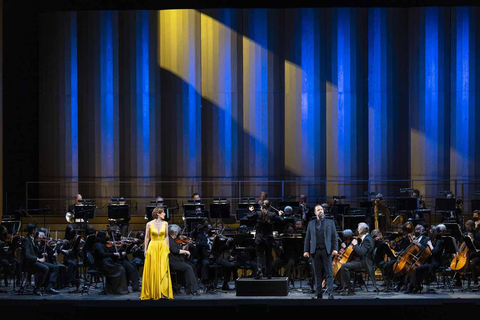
<point>439,303</point>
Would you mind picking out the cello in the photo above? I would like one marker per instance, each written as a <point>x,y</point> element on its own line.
<point>410,259</point>
<point>460,259</point>
<point>345,255</point>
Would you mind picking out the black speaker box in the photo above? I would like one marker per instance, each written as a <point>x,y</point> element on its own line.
<point>247,287</point>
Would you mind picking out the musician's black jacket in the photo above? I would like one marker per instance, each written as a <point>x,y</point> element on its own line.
<point>31,250</point>
<point>264,230</point>
<point>175,251</point>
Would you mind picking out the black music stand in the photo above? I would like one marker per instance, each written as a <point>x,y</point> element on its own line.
<point>475,204</point>
<point>442,204</point>
<point>450,245</point>
<point>453,230</point>
<point>118,212</point>
<point>245,205</point>
<point>85,212</point>
<point>471,245</point>
<point>407,203</point>
<point>220,210</point>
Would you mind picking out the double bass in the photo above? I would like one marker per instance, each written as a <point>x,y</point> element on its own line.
<point>410,259</point>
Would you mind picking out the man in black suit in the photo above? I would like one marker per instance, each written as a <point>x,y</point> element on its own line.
<point>264,241</point>
<point>321,243</point>
<point>363,259</point>
<point>38,265</point>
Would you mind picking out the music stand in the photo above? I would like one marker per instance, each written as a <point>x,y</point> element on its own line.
<point>119,212</point>
<point>407,203</point>
<point>442,204</point>
<point>220,210</point>
<point>194,210</point>
<point>470,244</point>
<point>453,229</point>
<point>245,205</point>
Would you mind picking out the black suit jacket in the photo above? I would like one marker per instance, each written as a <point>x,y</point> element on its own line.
<point>174,254</point>
<point>31,250</point>
<point>330,232</point>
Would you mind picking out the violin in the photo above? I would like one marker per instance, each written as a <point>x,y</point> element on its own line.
<point>183,240</point>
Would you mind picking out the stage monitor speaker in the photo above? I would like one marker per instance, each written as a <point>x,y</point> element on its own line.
<point>248,287</point>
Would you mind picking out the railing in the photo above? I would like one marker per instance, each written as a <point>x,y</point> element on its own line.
<point>138,192</point>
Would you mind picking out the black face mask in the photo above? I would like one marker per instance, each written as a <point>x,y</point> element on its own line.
<point>469,230</point>
<point>417,234</point>
<point>475,218</point>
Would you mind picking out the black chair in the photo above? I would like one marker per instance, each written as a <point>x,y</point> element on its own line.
<point>92,273</point>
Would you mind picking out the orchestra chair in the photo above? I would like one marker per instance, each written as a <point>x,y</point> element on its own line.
<point>443,270</point>
<point>92,274</point>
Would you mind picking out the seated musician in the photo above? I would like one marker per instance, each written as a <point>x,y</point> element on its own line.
<point>299,226</point>
<point>432,264</point>
<point>137,250</point>
<point>287,256</point>
<point>177,259</point>
<point>382,253</point>
<point>363,259</point>
<point>416,194</point>
<point>51,256</point>
<point>263,196</point>
<point>347,236</point>
<point>476,218</point>
<point>4,256</point>
<point>133,276</point>
<point>474,262</point>
<point>70,257</point>
<point>207,257</point>
<point>38,265</point>
<point>115,273</point>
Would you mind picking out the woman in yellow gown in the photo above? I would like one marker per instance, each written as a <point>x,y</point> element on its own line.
<point>156,283</point>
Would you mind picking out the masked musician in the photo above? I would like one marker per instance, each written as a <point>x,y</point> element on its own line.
<point>38,265</point>
<point>177,257</point>
<point>363,259</point>
<point>431,265</point>
<point>304,211</point>
<point>321,243</point>
<point>476,218</point>
<point>264,240</point>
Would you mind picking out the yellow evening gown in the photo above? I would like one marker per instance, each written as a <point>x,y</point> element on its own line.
<point>156,281</point>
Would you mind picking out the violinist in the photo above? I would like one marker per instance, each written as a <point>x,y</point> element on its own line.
<point>264,241</point>
<point>177,261</point>
<point>431,265</point>
<point>120,247</point>
<point>115,273</point>
<point>474,262</point>
<point>137,250</point>
<point>38,265</point>
<point>382,249</point>
<point>70,256</point>
<point>50,247</point>
<point>363,259</point>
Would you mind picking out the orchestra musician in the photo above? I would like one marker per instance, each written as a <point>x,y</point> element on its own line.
<point>69,234</point>
<point>321,243</point>
<point>382,249</point>
<point>363,259</point>
<point>4,256</point>
<point>264,241</point>
<point>474,260</point>
<point>196,197</point>
<point>416,194</point>
<point>263,197</point>
<point>177,257</point>
<point>431,265</point>
<point>115,273</point>
<point>304,211</point>
<point>51,248</point>
<point>38,265</point>
<point>137,250</point>
<point>133,276</point>
<point>476,218</point>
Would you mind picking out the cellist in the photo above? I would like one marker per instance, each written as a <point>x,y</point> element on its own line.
<point>474,233</point>
<point>432,264</point>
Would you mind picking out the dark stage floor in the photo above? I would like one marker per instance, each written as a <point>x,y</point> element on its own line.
<point>439,303</point>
